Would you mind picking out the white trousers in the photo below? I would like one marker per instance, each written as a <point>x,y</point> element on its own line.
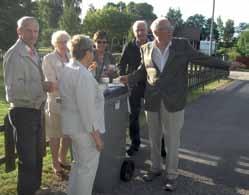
<point>169,125</point>
<point>86,159</point>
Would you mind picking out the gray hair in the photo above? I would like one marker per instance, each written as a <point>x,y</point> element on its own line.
<point>156,24</point>
<point>79,45</point>
<point>58,36</point>
<point>136,23</point>
<point>24,20</point>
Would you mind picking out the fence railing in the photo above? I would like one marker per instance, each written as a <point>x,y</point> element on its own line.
<point>197,77</point>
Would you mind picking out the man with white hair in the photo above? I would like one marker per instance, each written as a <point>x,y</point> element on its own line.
<point>164,67</point>
<point>129,62</point>
<point>26,93</point>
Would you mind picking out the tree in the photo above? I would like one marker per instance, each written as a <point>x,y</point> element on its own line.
<point>228,32</point>
<point>220,28</point>
<point>70,20</point>
<point>141,11</point>
<point>243,43</point>
<point>208,28</point>
<point>10,12</point>
<point>108,19</point>
<point>242,26</point>
<point>48,13</point>
<point>175,17</point>
<point>198,21</point>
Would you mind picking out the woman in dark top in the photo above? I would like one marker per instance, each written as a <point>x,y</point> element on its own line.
<point>102,57</point>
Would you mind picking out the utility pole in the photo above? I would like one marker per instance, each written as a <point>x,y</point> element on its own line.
<point>211,30</point>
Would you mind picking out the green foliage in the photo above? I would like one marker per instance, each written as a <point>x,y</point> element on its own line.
<point>228,32</point>
<point>109,19</point>
<point>141,11</point>
<point>175,17</point>
<point>232,53</point>
<point>196,20</point>
<point>206,33</point>
<point>243,43</point>
<point>220,28</point>
<point>10,12</point>
<point>70,20</point>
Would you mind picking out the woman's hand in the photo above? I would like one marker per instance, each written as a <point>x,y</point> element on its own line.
<point>93,66</point>
<point>97,139</point>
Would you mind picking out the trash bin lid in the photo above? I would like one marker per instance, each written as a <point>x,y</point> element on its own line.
<point>115,91</point>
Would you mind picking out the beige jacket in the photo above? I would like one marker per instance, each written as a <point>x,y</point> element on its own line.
<point>23,78</point>
<point>52,66</point>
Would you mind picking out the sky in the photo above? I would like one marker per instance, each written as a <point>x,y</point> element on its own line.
<point>237,10</point>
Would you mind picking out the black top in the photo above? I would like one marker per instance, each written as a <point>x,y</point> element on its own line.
<point>130,59</point>
<point>129,62</point>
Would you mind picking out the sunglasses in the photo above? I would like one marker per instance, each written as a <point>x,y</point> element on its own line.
<point>102,42</point>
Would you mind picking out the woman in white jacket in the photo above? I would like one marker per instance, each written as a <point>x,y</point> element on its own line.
<point>82,111</point>
<point>52,65</point>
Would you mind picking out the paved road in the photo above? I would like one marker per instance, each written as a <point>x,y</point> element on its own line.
<point>214,155</point>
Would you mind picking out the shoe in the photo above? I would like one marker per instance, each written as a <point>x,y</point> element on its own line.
<point>151,176</point>
<point>132,150</point>
<point>170,185</point>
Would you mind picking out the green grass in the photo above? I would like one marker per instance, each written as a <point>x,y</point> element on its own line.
<point>8,180</point>
<point>196,93</point>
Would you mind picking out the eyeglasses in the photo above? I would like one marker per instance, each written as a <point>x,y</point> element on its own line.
<point>62,42</point>
<point>102,42</point>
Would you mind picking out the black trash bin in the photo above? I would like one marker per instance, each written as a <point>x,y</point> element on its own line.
<point>113,164</point>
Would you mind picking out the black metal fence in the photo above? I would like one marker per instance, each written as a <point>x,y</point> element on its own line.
<point>199,76</point>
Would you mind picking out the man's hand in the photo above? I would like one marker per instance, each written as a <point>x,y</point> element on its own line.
<point>124,79</point>
<point>234,65</point>
<point>49,86</point>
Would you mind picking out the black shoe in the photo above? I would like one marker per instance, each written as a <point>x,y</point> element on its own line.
<point>132,150</point>
<point>170,185</point>
<point>151,176</point>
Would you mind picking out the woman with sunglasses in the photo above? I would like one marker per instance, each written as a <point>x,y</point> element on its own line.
<point>104,60</point>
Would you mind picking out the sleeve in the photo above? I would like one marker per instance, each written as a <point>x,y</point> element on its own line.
<point>122,66</point>
<point>140,74</point>
<point>85,100</point>
<point>100,113</point>
<point>199,58</point>
<point>48,68</point>
<point>14,78</point>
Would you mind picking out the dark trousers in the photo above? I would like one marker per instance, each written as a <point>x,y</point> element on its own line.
<point>134,128</point>
<point>27,122</point>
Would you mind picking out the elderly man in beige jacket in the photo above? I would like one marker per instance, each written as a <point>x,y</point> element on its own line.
<point>26,93</point>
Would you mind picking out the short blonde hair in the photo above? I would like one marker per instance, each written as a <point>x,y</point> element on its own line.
<point>79,45</point>
<point>59,36</point>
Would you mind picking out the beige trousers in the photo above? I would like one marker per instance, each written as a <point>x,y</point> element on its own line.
<point>86,159</point>
<point>169,125</point>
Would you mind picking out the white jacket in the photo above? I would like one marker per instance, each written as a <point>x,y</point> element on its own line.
<point>82,102</point>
